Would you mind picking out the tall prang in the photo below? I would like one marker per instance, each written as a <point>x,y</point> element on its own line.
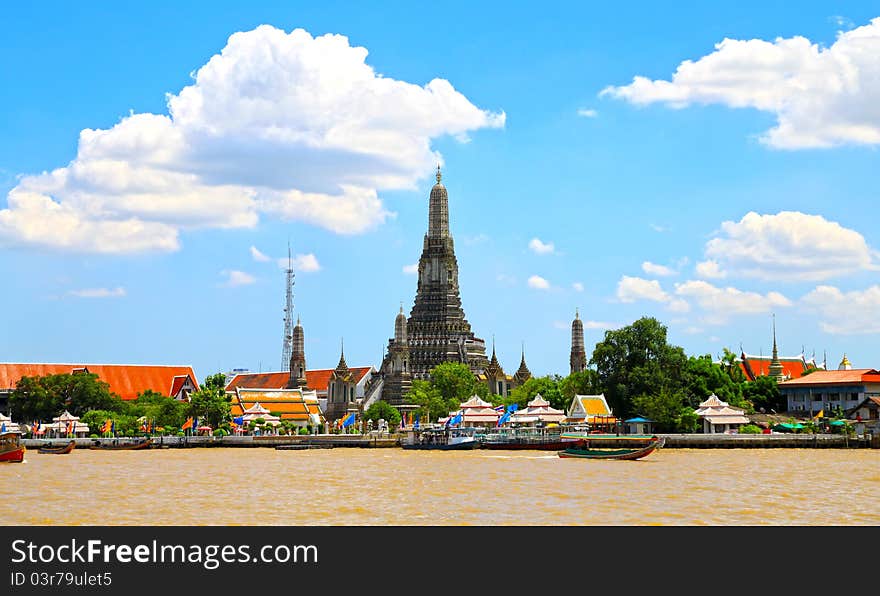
<point>578,358</point>
<point>437,330</point>
<point>297,376</point>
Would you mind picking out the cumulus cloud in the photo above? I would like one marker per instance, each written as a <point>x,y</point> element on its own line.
<point>538,282</point>
<point>846,313</point>
<point>820,96</point>
<point>541,248</point>
<point>721,303</point>
<point>654,269</point>
<point>709,270</point>
<point>259,256</point>
<point>237,278</point>
<point>411,269</point>
<point>631,289</point>
<point>587,113</point>
<point>790,246</point>
<point>116,292</point>
<point>600,325</point>
<point>280,124</point>
<point>577,286</point>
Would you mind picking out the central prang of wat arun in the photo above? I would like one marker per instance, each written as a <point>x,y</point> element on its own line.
<point>436,330</point>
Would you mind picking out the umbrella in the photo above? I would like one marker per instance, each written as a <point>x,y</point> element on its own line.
<point>837,423</point>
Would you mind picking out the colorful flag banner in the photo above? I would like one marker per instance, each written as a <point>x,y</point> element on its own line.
<point>188,424</point>
<point>349,420</point>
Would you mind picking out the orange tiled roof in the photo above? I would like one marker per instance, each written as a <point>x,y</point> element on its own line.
<point>759,366</point>
<point>318,379</point>
<point>125,380</point>
<point>835,377</point>
<point>288,405</point>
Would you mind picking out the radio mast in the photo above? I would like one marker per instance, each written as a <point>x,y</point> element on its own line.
<point>288,315</point>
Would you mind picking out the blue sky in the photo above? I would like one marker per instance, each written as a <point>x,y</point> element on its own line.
<point>710,193</point>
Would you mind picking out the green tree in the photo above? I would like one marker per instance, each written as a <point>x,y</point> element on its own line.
<point>455,381</point>
<point>433,405</point>
<point>382,409</point>
<point>210,403</point>
<point>637,361</point>
<point>547,386</point>
<point>763,394</point>
<point>703,377</point>
<point>668,410</point>
<point>585,382</point>
<point>42,398</point>
<point>730,364</point>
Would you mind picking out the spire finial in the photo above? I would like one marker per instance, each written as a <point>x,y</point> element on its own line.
<point>493,345</point>
<point>775,353</point>
<point>297,321</point>
<point>523,350</point>
<point>577,315</point>
<point>401,307</point>
<point>439,175</point>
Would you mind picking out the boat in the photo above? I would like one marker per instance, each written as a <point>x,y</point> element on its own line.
<point>123,446</point>
<point>11,448</point>
<point>527,438</point>
<point>58,450</point>
<point>445,439</point>
<point>614,447</point>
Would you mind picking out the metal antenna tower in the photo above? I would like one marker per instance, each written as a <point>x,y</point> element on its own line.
<point>287,347</point>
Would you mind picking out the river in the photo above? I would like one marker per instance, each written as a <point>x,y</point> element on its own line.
<point>352,486</point>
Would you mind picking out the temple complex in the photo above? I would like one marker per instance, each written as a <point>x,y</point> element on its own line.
<point>436,330</point>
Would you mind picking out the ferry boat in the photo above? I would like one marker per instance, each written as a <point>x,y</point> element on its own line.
<point>527,438</point>
<point>11,448</point>
<point>123,445</point>
<point>445,439</point>
<point>57,449</point>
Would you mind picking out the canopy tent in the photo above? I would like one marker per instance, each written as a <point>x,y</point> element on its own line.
<point>7,425</point>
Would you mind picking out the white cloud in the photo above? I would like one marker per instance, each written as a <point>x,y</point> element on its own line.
<point>846,313</point>
<point>722,303</point>
<point>820,96</point>
<point>117,292</point>
<point>541,248</point>
<point>258,256</point>
<point>237,278</point>
<point>659,228</point>
<point>654,269</point>
<point>302,263</point>
<point>577,286</point>
<point>842,21</point>
<point>630,289</point>
<point>709,270</point>
<point>411,269</point>
<point>588,113</point>
<point>279,124</point>
<point>790,246</point>
<point>538,282</point>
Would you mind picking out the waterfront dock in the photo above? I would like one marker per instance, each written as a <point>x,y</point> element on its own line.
<point>773,441</point>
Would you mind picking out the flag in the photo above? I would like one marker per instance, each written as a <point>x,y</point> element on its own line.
<point>3,428</point>
<point>416,421</point>
<point>69,427</point>
<point>187,424</point>
<point>348,421</point>
<point>105,428</point>
<point>512,408</point>
<point>112,426</point>
<point>239,420</point>
<point>499,409</point>
<point>453,419</point>
<point>504,418</point>
<point>820,414</point>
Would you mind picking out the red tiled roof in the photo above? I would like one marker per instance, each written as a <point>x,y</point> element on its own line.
<point>755,366</point>
<point>318,379</point>
<point>125,380</point>
<point>287,406</point>
<point>835,377</point>
<point>177,384</point>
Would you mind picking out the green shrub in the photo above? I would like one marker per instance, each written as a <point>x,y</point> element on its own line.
<point>303,431</point>
<point>220,432</point>
<point>750,429</point>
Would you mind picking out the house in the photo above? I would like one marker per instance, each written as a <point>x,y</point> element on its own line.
<point>476,412</point>
<point>719,416</point>
<point>538,410</point>
<point>591,409</point>
<point>317,380</point>
<point>830,390</point>
<point>639,426</point>
<point>866,416</point>
<point>125,380</point>
<point>294,405</point>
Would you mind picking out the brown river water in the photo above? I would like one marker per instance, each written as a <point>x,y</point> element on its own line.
<point>352,486</point>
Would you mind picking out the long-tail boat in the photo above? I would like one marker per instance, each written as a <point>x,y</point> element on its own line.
<point>11,448</point>
<point>605,448</point>
<point>124,446</point>
<point>58,450</point>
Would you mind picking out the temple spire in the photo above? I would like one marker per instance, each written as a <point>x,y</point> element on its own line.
<point>775,369</point>
<point>578,357</point>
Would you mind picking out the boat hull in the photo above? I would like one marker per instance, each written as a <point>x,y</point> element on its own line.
<point>452,447</point>
<point>534,445</point>
<point>58,450</point>
<point>622,454</point>
<point>123,446</point>
<point>15,456</point>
